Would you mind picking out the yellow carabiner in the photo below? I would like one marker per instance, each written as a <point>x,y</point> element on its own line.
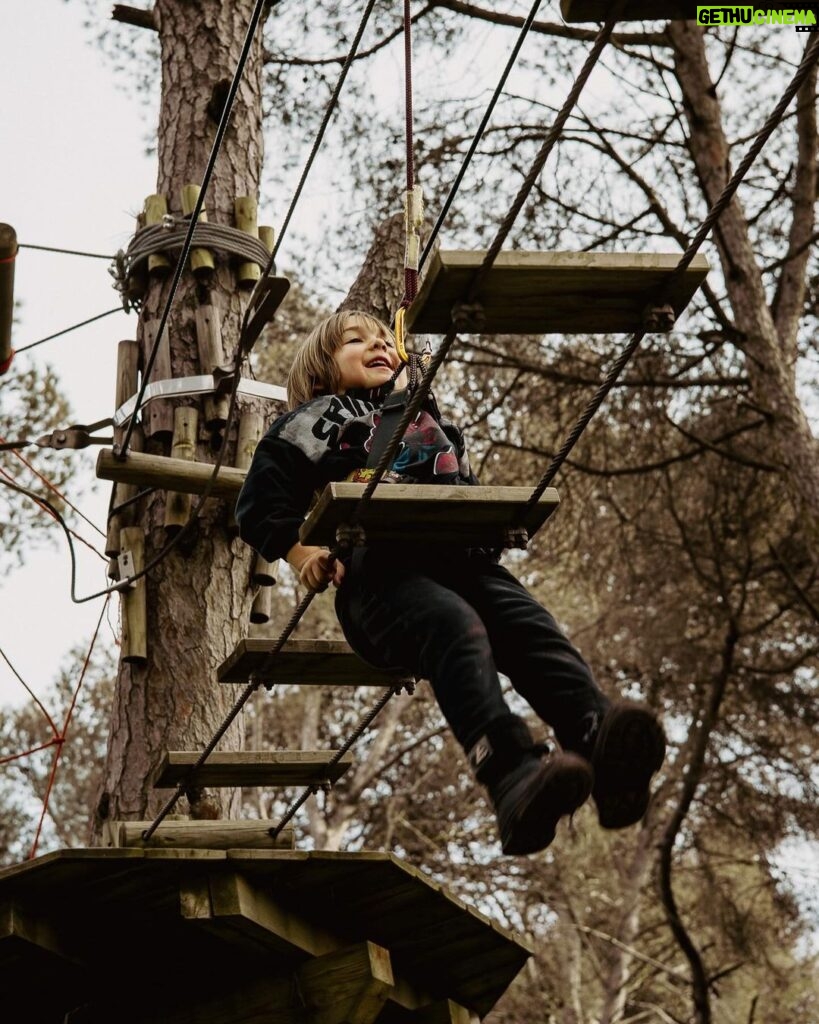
<point>400,347</point>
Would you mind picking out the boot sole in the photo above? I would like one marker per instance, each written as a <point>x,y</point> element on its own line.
<point>563,786</point>
<point>629,750</point>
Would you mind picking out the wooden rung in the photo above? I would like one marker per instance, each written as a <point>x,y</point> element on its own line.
<point>633,10</point>
<point>551,292</point>
<point>301,662</point>
<point>466,516</point>
<point>169,474</point>
<point>199,835</point>
<point>252,768</point>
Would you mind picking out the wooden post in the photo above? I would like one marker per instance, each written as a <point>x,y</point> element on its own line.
<point>156,207</point>
<point>211,356</point>
<point>201,260</point>
<point>245,213</point>
<point>185,426</point>
<point>134,610</point>
<point>262,609</point>
<point>267,236</point>
<point>251,428</point>
<point>347,985</point>
<point>157,419</point>
<point>8,254</point>
<point>127,382</point>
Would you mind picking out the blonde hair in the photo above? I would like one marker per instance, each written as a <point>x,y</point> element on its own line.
<point>314,371</point>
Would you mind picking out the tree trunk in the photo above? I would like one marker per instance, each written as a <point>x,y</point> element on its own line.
<point>769,353</point>
<point>197,597</point>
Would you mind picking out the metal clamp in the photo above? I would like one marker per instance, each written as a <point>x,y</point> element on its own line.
<point>350,535</point>
<point>469,317</point>
<point>78,435</point>
<point>516,537</point>
<point>659,319</point>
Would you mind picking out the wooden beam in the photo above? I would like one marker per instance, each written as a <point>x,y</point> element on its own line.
<point>136,16</point>
<point>253,768</point>
<point>445,1012</point>
<point>169,474</point>
<point>20,926</point>
<point>551,292</point>
<point>575,11</point>
<point>349,986</point>
<point>467,516</point>
<point>200,835</point>
<point>231,906</point>
<point>134,641</point>
<point>8,254</point>
<point>300,662</point>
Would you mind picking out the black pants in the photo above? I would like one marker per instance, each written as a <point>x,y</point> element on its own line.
<point>458,620</point>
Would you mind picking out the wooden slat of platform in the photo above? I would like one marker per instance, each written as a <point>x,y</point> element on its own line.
<point>253,768</point>
<point>552,292</point>
<point>301,662</point>
<point>118,929</point>
<point>466,516</point>
<point>634,10</point>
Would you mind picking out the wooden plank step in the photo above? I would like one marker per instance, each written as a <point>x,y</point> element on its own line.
<point>634,10</point>
<point>253,768</point>
<point>250,834</point>
<point>466,516</point>
<point>551,292</point>
<point>300,662</point>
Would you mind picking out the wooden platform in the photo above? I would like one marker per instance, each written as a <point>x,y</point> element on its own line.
<point>223,936</point>
<point>466,516</point>
<point>253,768</point>
<point>300,662</point>
<point>551,292</point>
<point>634,10</point>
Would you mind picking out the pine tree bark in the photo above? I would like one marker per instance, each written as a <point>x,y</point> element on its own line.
<point>198,597</point>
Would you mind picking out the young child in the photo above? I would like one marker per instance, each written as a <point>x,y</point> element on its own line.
<point>450,615</point>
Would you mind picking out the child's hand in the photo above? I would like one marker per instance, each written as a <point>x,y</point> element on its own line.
<point>319,570</point>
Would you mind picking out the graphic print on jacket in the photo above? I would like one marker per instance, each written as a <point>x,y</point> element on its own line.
<point>424,455</point>
<point>336,432</point>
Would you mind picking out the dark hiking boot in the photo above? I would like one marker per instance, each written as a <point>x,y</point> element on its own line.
<point>628,748</point>
<point>530,792</point>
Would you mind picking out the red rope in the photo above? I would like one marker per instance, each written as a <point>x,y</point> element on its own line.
<point>8,259</point>
<point>34,750</point>
<point>56,490</point>
<point>59,742</point>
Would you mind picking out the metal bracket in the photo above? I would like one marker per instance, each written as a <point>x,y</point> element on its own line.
<point>270,293</point>
<point>78,435</point>
<point>469,317</point>
<point>125,562</point>
<point>350,536</point>
<point>659,319</point>
<point>516,537</point>
<point>204,384</point>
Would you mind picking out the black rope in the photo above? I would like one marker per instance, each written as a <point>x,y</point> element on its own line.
<point>513,56</point>
<point>65,252</point>
<point>359,731</point>
<point>808,60</point>
<point>183,256</point>
<point>328,113</point>
<point>549,143</point>
<point>67,330</point>
<point>244,697</point>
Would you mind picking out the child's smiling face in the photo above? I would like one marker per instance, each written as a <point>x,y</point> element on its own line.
<point>366,357</point>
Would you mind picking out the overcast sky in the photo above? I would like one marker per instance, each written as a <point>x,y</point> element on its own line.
<point>72,173</point>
